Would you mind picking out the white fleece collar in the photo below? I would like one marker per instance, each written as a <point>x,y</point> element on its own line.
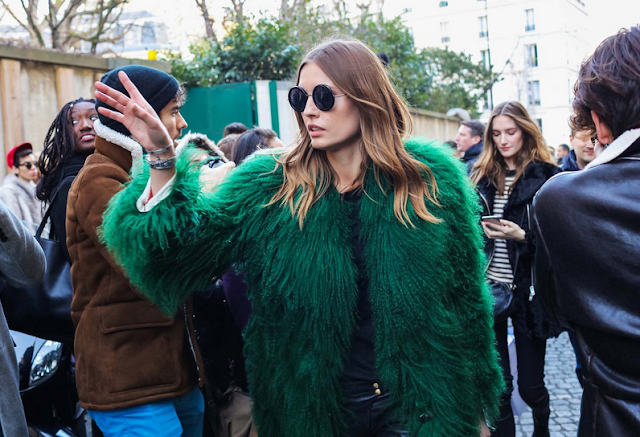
<point>616,148</point>
<point>115,137</point>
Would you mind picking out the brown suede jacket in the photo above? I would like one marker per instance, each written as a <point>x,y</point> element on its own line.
<point>128,352</point>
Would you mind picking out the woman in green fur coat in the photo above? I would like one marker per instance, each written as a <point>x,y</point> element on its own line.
<point>362,252</point>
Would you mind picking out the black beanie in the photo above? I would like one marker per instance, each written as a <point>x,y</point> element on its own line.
<point>156,86</point>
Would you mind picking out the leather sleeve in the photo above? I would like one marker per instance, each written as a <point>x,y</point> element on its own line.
<point>544,282</point>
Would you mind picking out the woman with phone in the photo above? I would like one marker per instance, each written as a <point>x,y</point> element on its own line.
<point>359,325</point>
<point>513,166</point>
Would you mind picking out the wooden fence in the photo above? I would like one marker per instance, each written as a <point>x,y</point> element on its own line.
<point>35,84</point>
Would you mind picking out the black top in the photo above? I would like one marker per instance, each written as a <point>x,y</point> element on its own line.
<point>360,364</point>
<point>59,205</point>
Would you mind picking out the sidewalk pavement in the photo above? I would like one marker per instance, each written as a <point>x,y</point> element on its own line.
<point>564,390</point>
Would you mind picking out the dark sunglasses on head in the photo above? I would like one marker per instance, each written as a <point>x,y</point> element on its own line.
<point>323,98</point>
<point>28,165</point>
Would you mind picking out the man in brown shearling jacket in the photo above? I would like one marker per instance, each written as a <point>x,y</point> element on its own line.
<point>137,370</point>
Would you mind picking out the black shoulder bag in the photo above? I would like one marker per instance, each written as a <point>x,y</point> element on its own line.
<point>43,310</point>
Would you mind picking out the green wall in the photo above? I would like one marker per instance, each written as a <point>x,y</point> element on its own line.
<point>209,109</point>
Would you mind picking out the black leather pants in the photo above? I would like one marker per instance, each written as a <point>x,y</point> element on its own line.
<point>369,410</point>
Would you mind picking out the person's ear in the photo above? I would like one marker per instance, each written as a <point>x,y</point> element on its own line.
<point>605,136</point>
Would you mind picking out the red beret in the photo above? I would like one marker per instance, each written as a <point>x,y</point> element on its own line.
<point>12,152</point>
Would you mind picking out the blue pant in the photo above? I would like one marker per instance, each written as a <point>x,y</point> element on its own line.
<point>183,416</point>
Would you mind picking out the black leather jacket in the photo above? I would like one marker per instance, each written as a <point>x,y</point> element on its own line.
<point>588,277</point>
<point>521,254</point>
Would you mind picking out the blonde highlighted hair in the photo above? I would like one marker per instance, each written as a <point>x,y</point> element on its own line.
<point>385,123</point>
<point>491,163</point>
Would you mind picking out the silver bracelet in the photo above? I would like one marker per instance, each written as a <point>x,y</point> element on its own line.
<point>160,151</point>
<point>161,164</point>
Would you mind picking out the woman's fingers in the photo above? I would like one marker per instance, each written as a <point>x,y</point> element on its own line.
<point>211,177</point>
<point>114,115</point>
<point>108,100</point>
<point>493,231</point>
<point>111,94</point>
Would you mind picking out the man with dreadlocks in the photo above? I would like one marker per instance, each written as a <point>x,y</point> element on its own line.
<point>69,141</point>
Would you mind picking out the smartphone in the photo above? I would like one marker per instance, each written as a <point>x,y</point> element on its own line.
<point>491,219</point>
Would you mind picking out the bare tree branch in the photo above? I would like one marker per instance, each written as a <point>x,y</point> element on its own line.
<point>64,18</point>
<point>208,19</point>
<point>31,10</point>
<point>238,10</point>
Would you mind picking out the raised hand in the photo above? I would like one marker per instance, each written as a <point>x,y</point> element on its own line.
<point>134,113</point>
<point>211,177</point>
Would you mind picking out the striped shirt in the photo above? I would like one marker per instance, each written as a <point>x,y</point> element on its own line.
<point>500,268</point>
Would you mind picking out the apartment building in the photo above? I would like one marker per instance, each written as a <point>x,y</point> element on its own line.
<point>535,47</point>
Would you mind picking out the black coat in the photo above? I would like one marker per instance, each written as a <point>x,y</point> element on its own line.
<point>588,276</point>
<point>471,156</point>
<point>521,254</point>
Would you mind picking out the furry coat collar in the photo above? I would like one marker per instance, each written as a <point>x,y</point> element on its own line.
<point>432,312</point>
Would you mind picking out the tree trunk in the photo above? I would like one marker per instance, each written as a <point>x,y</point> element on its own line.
<point>208,20</point>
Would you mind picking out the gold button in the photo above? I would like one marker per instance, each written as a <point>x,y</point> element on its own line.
<point>375,385</point>
<point>378,392</point>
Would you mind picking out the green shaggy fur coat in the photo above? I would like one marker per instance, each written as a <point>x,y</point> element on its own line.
<point>432,311</point>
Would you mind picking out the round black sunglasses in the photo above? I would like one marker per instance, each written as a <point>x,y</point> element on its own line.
<point>27,164</point>
<point>323,98</point>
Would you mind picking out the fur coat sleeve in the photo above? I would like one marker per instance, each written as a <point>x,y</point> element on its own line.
<point>197,233</point>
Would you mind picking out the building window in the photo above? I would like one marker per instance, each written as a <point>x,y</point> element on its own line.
<point>444,32</point>
<point>444,3</point>
<point>484,29</point>
<point>531,53</point>
<point>539,121</point>
<point>485,59</point>
<point>534,93</point>
<point>531,24</point>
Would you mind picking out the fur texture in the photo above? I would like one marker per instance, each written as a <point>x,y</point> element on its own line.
<point>432,311</point>
<point>116,137</point>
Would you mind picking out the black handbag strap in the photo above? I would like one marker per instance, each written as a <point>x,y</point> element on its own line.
<point>47,213</point>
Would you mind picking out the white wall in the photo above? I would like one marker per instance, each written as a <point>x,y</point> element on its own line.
<point>559,36</point>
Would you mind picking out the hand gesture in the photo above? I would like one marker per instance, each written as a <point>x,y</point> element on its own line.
<point>211,177</point>
<point>134,113</point>
<point>506,230</point>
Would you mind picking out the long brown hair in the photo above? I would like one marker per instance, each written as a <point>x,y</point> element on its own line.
<point>385,123</point>
<point>491,163</point>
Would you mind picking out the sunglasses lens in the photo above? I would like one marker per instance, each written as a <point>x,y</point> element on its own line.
<point>323,97</point>
<point>297,99</point>
<point>28,165</point>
